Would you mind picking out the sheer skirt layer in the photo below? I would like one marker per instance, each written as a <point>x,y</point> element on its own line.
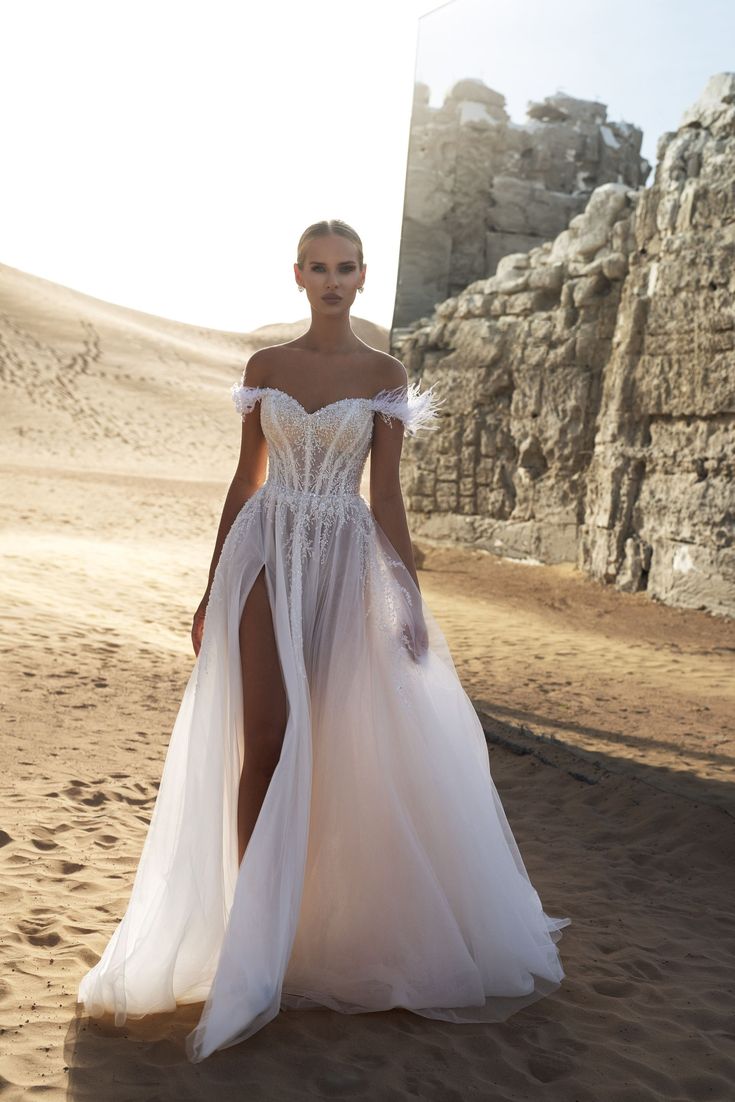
<point>382,870</point>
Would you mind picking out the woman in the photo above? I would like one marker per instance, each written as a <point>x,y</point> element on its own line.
<point>327,831</point>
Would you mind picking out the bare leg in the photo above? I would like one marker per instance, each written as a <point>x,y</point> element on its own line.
<point>265,708</point>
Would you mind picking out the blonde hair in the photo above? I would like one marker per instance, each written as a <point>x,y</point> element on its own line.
<point>323,229</point>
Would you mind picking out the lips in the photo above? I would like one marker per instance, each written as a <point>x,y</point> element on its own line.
<point>332,298</point>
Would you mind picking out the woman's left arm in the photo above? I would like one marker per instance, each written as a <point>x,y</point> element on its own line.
<point>386,497</point>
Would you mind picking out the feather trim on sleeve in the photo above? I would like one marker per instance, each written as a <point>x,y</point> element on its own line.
<point>245,397</point>
<point>417,411</point>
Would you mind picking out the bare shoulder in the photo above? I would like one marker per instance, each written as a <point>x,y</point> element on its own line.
<point>390,371</point>
<point>267,361</point>
<point>258,365</point>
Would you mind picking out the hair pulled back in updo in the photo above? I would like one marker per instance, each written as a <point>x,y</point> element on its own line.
<point>323,229</point>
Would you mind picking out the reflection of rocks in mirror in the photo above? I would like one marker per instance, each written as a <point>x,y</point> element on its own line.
<point>479,186</point>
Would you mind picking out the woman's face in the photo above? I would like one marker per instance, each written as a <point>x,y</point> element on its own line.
<point>331,269</point>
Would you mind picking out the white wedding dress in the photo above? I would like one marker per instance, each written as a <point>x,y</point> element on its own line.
<point>382,871</point>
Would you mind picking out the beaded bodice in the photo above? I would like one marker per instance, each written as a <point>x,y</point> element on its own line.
<point>311,500</point>
<point>323,453</point>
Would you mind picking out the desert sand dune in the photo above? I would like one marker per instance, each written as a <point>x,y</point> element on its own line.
<point>610,730</point>
<point>92,385</point>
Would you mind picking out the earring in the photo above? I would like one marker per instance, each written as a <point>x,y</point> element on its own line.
<point>361,289</point>
<point>300,287</point>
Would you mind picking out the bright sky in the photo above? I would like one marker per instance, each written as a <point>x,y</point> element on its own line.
<point>647,60</point>
<point>167,154</point>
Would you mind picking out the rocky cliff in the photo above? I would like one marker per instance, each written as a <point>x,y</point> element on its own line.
<point>590,384</point>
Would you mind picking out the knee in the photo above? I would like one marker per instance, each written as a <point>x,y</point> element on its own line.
<point>263,747</point>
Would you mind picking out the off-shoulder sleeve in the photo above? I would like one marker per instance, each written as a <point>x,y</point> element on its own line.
<point>416,410</point>
<point>245,397</point>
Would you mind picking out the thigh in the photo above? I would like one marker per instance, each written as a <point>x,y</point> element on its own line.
<point>265,706</point>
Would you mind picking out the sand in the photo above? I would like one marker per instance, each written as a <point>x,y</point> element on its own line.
<point>610,729</point>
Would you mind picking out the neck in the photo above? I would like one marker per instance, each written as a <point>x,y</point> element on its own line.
<point>330,336</point>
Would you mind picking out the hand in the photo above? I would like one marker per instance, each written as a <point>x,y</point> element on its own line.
<point>418,637</point>
<point>197,625</point>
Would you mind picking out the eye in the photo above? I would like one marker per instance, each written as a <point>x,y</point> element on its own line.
<point>343,267</point>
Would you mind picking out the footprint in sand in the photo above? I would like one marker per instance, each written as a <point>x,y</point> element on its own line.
<point>39,843</point>
<point>107,841</point>
<point>37,934</point>
<point>547,1068</point>
<point>615,989</point>
<point>96,800</point>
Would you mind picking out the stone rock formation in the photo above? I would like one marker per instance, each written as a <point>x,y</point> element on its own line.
<point>589,385</point>
<point>479,186</point>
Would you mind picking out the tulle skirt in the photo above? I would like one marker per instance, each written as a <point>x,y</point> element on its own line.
<point>382,871</point>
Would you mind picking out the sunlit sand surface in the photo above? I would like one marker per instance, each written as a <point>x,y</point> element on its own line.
<point>610,732</point>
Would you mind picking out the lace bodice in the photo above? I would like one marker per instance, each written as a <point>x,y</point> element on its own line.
<point>323,453</point>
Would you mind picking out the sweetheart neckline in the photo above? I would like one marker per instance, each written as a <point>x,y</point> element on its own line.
<point>314,412</point>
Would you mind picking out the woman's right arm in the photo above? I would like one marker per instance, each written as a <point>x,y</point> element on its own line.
<point>249,477</point>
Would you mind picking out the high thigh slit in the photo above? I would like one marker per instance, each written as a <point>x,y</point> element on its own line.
<point>381,870</point>
<point>265,706</point>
